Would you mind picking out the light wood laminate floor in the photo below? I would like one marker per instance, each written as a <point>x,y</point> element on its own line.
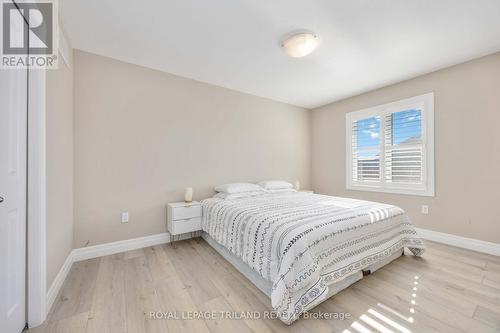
<point>453,290</point>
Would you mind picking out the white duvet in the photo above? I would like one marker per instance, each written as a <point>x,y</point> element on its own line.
<point>302,242</point>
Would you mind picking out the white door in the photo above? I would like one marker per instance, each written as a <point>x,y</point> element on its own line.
<point>13,133</point>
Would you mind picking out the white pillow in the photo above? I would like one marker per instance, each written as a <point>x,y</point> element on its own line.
<point>237,188</point>
<point>229,196</point>
<point>275,185</point>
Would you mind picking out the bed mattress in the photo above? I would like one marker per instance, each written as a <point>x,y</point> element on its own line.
<point>303,244</point>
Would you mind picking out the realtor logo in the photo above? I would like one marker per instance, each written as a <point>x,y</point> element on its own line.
<point>29,34</point>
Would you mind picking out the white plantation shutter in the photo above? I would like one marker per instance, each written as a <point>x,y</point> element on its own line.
<point>390,147</point>
<point>403,147</point>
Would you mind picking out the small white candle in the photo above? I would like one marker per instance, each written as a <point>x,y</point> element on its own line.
<point>297,185</point>
<point>188,195</point>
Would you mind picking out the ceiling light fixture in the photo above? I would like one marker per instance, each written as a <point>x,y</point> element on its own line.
<point>300,44</point>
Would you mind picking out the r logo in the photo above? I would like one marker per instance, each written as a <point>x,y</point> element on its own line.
<point>37,38</point>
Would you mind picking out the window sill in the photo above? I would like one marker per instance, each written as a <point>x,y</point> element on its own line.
<point>424,193</point>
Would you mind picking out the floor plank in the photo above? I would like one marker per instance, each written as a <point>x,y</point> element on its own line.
<point>222,322</point>
<point>108,312</point>
<point>76,295</point>
<point>193,271</point>
<point>175,298</point>
<point>489,317</point>
<point>141,297</point>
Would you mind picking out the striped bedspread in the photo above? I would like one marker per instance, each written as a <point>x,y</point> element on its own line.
<point>302,242</point>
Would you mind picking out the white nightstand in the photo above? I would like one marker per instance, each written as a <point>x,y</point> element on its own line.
<point>183,217</point>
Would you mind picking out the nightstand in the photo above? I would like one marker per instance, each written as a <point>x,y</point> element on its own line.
<point>183,217</point>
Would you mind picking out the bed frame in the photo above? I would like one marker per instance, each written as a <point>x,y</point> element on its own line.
<point>266,285</point>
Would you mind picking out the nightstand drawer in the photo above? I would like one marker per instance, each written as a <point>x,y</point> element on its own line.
<point>186,212</point>
<point>187,225</point>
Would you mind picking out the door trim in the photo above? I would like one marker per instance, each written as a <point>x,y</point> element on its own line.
<point>36,276</point>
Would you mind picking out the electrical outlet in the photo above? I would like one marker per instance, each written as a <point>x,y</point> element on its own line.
<point>124,217</point>
<point>425,209</point>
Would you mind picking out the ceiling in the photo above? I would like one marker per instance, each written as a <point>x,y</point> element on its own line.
<point>365,44</point>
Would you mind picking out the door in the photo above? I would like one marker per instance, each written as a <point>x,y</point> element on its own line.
<point>13,135</point>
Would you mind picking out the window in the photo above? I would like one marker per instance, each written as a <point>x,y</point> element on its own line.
<point>390,148</point>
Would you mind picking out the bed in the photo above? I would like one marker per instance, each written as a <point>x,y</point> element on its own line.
<point>301,248</point>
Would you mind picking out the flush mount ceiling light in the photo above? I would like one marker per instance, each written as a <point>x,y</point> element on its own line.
<point>300,44</point>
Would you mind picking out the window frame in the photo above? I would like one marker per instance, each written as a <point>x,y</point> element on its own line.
<point>423,102</point>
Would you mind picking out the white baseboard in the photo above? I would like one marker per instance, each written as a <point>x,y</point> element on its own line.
<point>459,241</point>
<point>106,249</point>
<point>96,251</point>
<point>56,285</point>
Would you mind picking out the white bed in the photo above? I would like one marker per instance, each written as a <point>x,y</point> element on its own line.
<point>301,248</point>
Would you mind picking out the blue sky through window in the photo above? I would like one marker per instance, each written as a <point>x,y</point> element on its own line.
<point>368,132</point>
<point>406,126</point>
<point>368,136</point>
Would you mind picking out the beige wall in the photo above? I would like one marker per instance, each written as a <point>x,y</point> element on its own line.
<point>467,148</point>
<point>59,168</point>
<point>142,136</point>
